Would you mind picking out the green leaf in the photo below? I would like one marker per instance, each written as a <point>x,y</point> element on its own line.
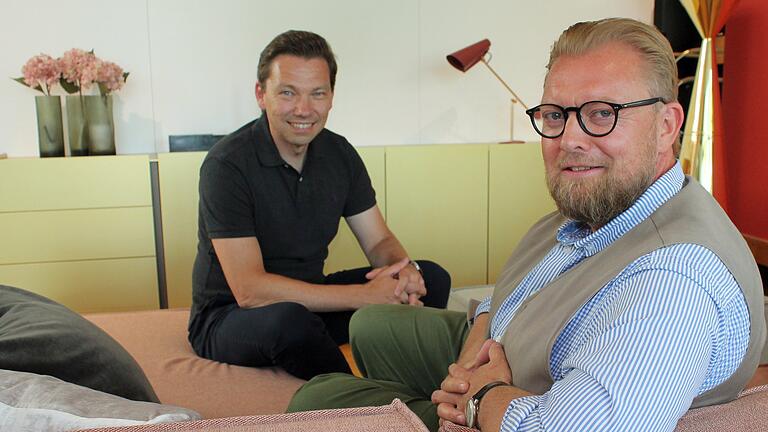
<point>125,76</point>
<point>68,86</point>
<point>21,81</point>
<point>103,90</point>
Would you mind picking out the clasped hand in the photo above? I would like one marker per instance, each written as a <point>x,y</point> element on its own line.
<point>408,285</point>
<point>463,381</point>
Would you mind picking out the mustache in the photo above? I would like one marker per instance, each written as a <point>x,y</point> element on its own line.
<point>568,161</point>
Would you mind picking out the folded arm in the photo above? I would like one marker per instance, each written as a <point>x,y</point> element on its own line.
<point>636,363</point>
<point>252,286</point>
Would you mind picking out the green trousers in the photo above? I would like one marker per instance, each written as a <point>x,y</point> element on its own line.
<point>404,352</point>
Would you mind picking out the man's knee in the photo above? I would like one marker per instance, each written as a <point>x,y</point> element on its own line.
<point>438,283</point>
<point>380,327</point>
<point>293,325</point>
<point>319,392</point>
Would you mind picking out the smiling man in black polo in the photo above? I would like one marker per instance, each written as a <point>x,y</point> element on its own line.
<point>271,197</point>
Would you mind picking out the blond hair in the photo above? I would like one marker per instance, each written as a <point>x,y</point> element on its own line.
<point>653,47</point>
<point>646,39</point>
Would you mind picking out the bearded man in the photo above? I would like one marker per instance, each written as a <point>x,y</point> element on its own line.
<point>637,300</point>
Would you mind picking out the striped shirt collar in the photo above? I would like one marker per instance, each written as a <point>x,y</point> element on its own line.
<point>579,236</point>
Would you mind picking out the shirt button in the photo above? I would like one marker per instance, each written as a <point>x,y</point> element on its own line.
<point>301,179</point>
<point>285,165</point>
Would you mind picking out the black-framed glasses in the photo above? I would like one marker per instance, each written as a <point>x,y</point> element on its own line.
<point>596,118</point>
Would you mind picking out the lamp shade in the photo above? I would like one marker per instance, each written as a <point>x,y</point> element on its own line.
<point>465,58</point>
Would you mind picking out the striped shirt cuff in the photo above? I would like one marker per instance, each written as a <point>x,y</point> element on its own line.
<point>483,307</point>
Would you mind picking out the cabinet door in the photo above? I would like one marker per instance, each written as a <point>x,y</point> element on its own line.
<point>80,231</point>
<point>518,197</point>
<point>179,175</point>
<point>344,252</point>
<point>437,205</point>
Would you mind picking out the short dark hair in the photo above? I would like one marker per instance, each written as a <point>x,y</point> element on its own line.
<point>297,43</point>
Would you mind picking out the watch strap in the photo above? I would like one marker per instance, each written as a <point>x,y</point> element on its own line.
<point>479,396</point>
<point>416,266</point>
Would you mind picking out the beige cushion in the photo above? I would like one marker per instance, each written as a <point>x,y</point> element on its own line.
<point>393,417</point>
<point>158,341</point>
<point>31,402</point>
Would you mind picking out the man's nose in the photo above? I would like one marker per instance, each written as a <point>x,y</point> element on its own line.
<point>574,138</point>
<point>303,106</point>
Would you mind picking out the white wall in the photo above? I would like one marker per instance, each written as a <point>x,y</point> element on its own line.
<point>193,63</point>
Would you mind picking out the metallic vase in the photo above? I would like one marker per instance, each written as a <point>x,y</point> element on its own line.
<point>696,154</point>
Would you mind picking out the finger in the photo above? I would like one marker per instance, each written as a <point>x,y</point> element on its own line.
<point>456,371</point>
<point>400,290</point>
<point>496,353</point>
<point>482,356</point>
<point>454,385</point>
<point>373,273</point>
<point>395,268</point>
<point>413,300</point>
<point>441,396</point>
<point>403,298</point>
<point>451,413</point>
<point>414,287</point>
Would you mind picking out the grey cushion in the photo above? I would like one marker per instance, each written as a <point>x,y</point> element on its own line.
<point>31,402</point>
<point>40,336</point>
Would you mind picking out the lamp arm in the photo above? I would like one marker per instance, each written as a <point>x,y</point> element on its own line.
<point>504,83</point>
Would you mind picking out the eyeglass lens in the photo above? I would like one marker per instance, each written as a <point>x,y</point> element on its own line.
<point>597,118</point>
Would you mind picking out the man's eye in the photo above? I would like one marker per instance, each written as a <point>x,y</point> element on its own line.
<point>286,93</point>
<point>552,115</point>
<point>605,113</point>
<point>601,115</point>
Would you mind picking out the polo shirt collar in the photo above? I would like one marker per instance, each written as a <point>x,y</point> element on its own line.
<point>266,150</point>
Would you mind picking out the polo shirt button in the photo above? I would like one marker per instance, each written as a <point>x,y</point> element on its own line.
<point>285,165</point>
<point>301,179</point>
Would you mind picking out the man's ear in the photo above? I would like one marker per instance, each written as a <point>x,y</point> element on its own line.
<point>260,93</point>
<point>672,117</point>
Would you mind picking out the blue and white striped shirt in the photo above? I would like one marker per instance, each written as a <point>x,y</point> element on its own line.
<point>670,326</point>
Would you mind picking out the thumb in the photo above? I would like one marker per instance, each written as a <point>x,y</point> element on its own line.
<point>482,356</point>
<point>496,353</point>
<point>373,273</point>
<point>395,268</point>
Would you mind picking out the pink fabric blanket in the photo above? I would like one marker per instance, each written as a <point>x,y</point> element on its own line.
<point>393,417</point>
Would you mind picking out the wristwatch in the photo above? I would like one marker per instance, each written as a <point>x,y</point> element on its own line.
<point>416,266</point>
<point>472,410</point>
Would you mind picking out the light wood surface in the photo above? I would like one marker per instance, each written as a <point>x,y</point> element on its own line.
<point>80,231</point>
<point>30,184</point>
<point>437,205</point>
<point>179,175</point>
<point>69,235</point>
<point>518,197</point>
<point>125,284</point>
<point>344,252</point>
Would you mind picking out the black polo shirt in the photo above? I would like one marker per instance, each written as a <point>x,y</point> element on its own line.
<point>247,190</point>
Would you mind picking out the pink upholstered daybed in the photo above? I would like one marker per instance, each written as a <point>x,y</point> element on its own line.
<point>158,342</point>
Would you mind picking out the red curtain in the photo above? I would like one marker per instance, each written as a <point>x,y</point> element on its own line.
<point>743,151</point>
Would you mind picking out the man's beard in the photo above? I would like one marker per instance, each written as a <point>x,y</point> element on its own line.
<point>597,201</point>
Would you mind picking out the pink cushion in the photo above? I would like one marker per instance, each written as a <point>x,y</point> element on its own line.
<point>393,417</point>
<point>748,413</point>
<point>158,341</point>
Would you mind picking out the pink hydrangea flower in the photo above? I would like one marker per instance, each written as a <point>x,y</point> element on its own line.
<point>42,70</point>
<point>79,67</point>
<point>110,76</point>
